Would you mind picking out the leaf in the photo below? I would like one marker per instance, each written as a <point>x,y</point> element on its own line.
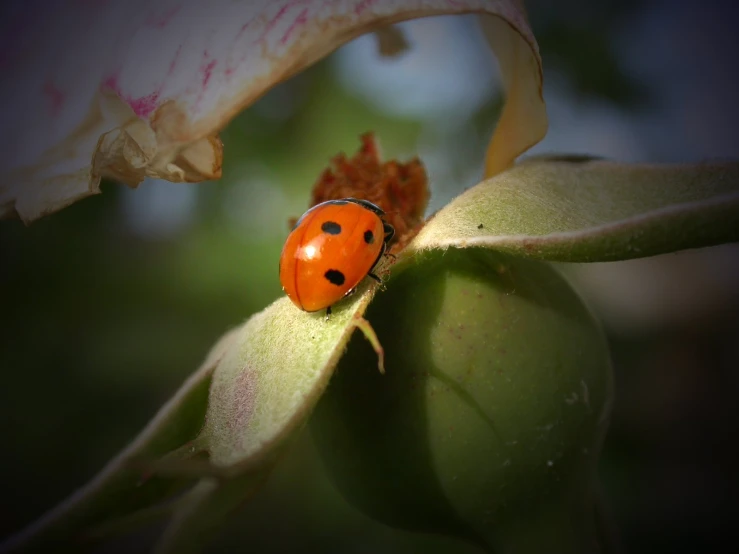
<point>269,381</point>
<point>123,492</point>
<point>591,211</point>
<point>262,392</point>
<point>161,78</point>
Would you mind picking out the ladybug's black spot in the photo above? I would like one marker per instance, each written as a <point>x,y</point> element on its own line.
<point>335,277</point>
<point>331,227</point>
<point>369,237</point>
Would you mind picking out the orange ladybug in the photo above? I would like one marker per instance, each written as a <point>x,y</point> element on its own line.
<point>332,247</point>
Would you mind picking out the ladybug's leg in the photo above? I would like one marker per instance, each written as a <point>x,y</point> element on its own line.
<point>379,256</point>
<point>371,273</point>
<point>389,234</point>
<point>328,313</point>
<point>376,278</point>
<point>389,231</point>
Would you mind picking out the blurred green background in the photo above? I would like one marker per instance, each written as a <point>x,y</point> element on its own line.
<point>111,303</point>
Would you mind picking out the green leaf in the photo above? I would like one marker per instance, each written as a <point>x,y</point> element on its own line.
<point>262,392</point>
<point>591,211</point>
<point>271,378</point>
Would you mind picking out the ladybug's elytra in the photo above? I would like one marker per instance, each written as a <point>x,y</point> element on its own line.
<point>332,247</point>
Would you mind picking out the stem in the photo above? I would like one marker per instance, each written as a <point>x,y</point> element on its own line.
<point>369,333</point>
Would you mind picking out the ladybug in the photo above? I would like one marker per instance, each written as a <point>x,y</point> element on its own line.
<point>332,247</point>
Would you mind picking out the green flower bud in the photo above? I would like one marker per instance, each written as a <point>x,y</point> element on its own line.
<point>489,420</point>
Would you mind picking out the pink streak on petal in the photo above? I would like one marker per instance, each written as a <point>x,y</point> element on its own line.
<point>174,61</point>
<point>207,72</point>
<point>144,105</point>
<point>244,27</point>
<point>299,21</point>
<point>111,82</point>
<point>277,17</point>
